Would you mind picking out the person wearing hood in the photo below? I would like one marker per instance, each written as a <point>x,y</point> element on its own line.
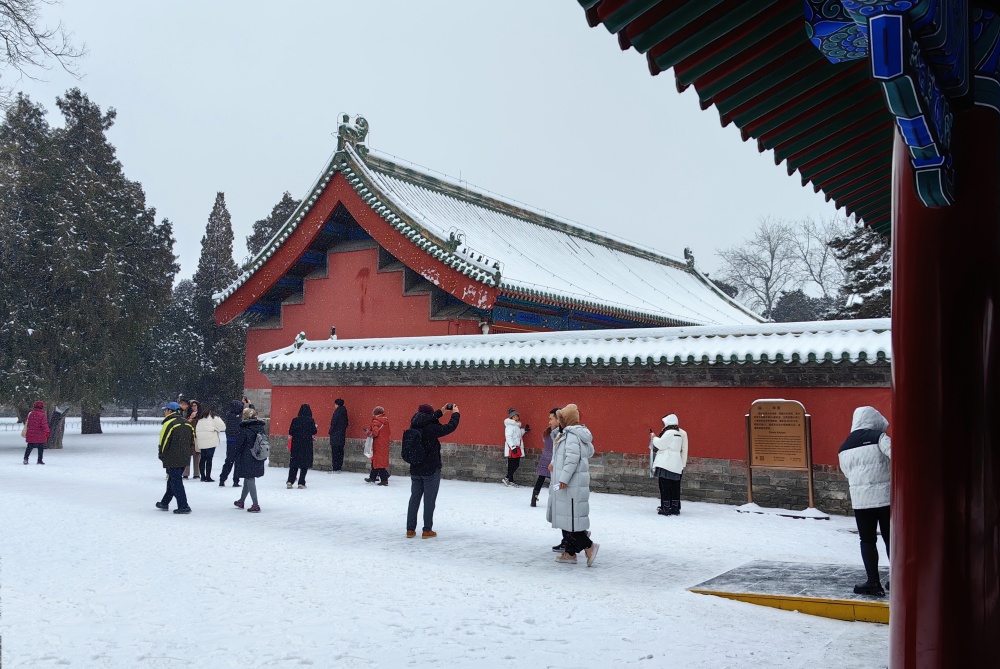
<point>233,418</point>
<point>513,448</point>
<point>338,435</point>
<point>248,467</point>
<point>542,468</point>
<point>36,431</point>
<point>670,454</point>
<point>174,450</point>
<point>569,500</point>
<point>425,477</point>
<point>865,461</point>
<point>300,443</point>
<point>379,431</point>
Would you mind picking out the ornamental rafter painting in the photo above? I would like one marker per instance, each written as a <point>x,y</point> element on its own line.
<point>931,57</point>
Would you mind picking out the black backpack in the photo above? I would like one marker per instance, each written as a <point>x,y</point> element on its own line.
<point>413,446</point>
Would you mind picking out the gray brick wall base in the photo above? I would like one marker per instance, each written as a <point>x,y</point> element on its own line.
<point>705,479</point>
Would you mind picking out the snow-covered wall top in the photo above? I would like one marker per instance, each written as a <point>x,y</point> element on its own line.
<point>858,341</point>
<point>527,254</point>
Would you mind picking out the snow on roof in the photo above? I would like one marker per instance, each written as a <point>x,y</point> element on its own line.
<point>526,253</point>
<point>858,341</point>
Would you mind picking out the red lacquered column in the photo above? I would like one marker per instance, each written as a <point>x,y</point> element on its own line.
<point>945,599</point>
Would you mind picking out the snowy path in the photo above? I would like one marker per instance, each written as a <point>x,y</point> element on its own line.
<point>94,576</point>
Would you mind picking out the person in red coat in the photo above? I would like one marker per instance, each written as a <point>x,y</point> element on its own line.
<point>36,431</point>
<point>379,431</point>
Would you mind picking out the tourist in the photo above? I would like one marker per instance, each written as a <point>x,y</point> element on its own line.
<point>207,436</point>
<point>379,431</point>
<point>865,459</point>
<point>174,450</point>
<point>248,467</point>
<point>670,454</point>
<point>338,435</point>
<point>513,448</point>
<point>233,418</point>
<point>425,477</point>
<point>185,406</point>
<point>300,445</point>
<point>542,468</point>
<point>192,416</point>
<point>569,502</point>
<point>36,431</point>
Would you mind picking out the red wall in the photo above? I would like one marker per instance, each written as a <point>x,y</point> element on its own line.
<point>360,301</point>
<point>618,417</point>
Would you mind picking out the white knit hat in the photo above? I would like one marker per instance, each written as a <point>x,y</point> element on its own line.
<point>669,420</point>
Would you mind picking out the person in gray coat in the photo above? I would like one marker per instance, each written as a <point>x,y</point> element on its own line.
<point>864,459</point>
<point>569,496</point>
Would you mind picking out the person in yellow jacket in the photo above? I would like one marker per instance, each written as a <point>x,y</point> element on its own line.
<point>174,450</point>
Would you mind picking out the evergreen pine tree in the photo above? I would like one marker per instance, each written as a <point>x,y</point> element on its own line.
<point>96,267</point>
<point>264,229</point>
<point>867,258</point>
<point>221,376</point>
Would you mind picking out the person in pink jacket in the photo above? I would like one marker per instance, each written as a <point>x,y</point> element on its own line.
<point>36,431</point>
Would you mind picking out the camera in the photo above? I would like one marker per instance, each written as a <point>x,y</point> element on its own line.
<point>449,407</point>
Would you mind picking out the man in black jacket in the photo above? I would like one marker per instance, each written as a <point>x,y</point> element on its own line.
<point>338,435</point>
<point>425,477</point>
<point>233,418</point>
<point>174,450</point>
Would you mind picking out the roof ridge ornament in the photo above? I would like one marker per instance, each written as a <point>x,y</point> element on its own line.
<point>348,135</point>
<point>689,257</point>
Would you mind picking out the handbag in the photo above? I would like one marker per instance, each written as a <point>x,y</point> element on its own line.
<point>24,430</point>
<point>369,447</point>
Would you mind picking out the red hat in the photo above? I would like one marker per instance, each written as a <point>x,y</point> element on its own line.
<point>39,404</point>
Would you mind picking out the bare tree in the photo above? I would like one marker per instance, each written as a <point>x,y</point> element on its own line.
<point>764,266</point>
<point>28,44</point>
<point>818,264</point>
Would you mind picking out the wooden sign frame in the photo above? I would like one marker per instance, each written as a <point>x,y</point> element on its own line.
<point>783,434</point>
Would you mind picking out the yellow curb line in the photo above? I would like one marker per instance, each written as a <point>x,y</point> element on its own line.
<point>840,609</point>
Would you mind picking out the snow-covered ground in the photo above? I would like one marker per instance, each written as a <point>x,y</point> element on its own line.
<point>94,576</point>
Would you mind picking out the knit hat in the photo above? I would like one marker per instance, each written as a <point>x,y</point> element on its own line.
<point>569,415</point>
<point>249,413</point>
<point>512,412</point>
<point>425,408</point>
<point>39,404</point>
<point>669,420</point>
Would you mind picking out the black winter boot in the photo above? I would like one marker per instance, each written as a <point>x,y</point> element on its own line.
<point>534,500</point>
<point>869,555</point>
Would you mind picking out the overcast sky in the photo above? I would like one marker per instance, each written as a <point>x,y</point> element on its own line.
<point>521,98</point>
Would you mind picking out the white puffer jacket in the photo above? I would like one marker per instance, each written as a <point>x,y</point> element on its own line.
<point>513,437</point>
<point>865,459</point>
<point>207,432</point>
<point>569,508</point>
<point>671,451</point>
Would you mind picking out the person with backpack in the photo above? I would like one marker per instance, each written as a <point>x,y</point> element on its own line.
<point>300,443</point>
<point>233,419</point>
<point>207,434</point>
<point>379,431</point>
<point>251,452</point>
<point>338,435</point>
<point>422,450</point>
<point>865,458</point>
<point>670,454</point>
<point>36,431</point>
<point>513,448</point>
<point>569,501</point>
<point>174,451</point>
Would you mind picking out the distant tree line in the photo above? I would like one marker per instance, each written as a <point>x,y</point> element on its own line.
<point>90,314</point>
<point>810,270</point>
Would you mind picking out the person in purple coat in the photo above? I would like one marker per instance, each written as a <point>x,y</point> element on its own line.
<point>542,469</point>
<point>36,431</point>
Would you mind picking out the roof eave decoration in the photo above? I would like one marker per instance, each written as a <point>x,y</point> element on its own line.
<point>852,342</point>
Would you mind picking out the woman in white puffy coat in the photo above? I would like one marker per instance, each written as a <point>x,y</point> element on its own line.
<point>209,431</point>
<point>670,455</point>
<point>865,459</point>
<point>569,493</point>
<point>513,448</point>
